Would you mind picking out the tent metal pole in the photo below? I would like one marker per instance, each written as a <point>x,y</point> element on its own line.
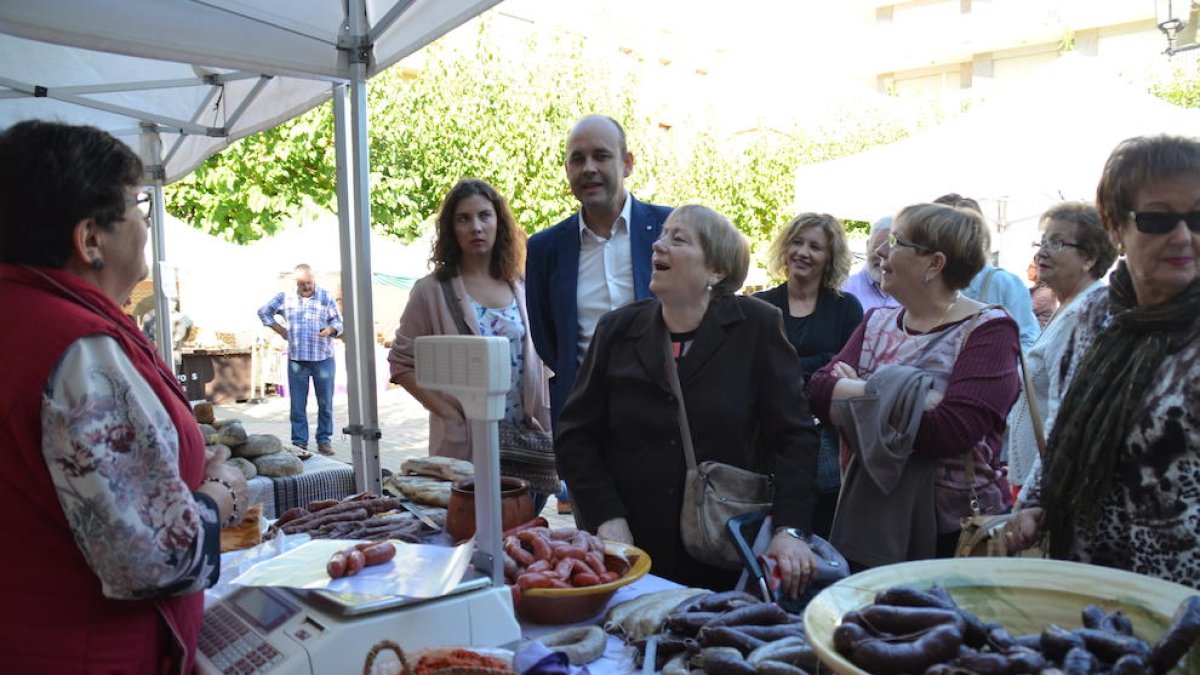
<point>151,152</point>
<point>354,216</point>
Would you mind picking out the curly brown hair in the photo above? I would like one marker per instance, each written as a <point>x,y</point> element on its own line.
<point>837,268</point>
<point>508,253</point>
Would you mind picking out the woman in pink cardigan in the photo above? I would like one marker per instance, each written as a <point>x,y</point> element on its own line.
<point>478,258</point>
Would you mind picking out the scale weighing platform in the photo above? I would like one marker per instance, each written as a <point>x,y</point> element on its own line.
<point>293,632</point>
<point>290,632</point>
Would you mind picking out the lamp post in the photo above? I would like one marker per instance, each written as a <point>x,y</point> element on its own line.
<point>1177,20</point>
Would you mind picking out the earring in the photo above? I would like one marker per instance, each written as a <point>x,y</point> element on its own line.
<point>1121,248</point>
<point>97,264</point>
<point>928,281</point>
<point>708,288</point>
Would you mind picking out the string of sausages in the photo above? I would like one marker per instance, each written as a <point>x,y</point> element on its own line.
<point>360,516</point>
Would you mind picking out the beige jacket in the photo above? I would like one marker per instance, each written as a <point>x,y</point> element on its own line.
<point>426,314</point>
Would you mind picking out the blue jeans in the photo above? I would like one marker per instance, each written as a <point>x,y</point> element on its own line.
<point>321,373</point>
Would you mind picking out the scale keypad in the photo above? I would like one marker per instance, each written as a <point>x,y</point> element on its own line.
<point>234,647</point>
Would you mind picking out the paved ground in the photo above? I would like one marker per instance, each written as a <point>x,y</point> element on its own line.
<point>404,422</point>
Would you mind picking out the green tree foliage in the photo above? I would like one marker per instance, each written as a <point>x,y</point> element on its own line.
<point>1183,89</point>
<point>502,115</point>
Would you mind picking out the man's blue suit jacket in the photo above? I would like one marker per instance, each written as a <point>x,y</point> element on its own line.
<point>552,282</point>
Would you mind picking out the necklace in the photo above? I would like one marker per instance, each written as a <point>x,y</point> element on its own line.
<point>940,321</point>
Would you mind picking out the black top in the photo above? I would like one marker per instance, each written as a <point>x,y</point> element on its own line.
<point>819,336</point>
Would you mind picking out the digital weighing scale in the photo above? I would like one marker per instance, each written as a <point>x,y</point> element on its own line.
<point>289,632</point>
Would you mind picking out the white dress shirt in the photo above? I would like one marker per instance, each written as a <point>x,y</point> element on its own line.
<point>605,274</point>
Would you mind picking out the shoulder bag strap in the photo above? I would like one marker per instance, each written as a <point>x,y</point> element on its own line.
<point>1035,414</point>
<point>969,464</point>
<point>685,432</point>
<point>455,307</point>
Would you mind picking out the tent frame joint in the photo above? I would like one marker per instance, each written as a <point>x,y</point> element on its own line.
<point>367,433</point>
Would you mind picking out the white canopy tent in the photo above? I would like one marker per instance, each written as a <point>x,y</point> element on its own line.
<point>1030,144</point>
<point>180,79</point>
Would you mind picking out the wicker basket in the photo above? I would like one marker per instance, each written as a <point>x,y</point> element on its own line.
<point>371,667</point>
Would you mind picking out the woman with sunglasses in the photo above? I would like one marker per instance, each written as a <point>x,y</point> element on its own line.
<point>1071,257</point>
<point>965,353</point>
<point>1121,475</point>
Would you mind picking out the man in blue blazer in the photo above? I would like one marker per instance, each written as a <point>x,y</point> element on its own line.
<point>594,261</point>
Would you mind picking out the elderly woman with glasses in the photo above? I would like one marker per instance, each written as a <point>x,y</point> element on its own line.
<point>942,364</point>
<point>111,502</point>
<point>619,442</point>
<point>1072,255</point>
<point>1120,483</point>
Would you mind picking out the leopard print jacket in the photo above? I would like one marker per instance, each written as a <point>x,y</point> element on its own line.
<point>1150,521</point>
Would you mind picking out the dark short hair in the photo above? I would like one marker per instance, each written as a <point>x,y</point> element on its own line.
<point>508,253</point>
<point>52,176</point>
<point>1136,162</point>
<point>957,232</point>
<point>1090,237</point>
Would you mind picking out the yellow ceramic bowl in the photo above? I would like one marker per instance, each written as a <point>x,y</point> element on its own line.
<point>1023,594</point>
<point>569,605</point>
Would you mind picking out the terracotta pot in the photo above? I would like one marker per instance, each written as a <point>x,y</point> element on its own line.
<point>516,506</point>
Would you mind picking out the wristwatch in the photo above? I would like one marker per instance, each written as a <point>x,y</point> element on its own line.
<point>794,532</point>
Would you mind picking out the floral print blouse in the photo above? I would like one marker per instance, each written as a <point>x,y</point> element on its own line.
<point>113,452</point>
<point>506,323</point>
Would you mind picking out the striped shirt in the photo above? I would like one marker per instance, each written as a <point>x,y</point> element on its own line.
<point>304,318</point>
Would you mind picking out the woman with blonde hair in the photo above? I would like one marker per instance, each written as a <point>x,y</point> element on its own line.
<point>619,442</point>
<point>811,254</point>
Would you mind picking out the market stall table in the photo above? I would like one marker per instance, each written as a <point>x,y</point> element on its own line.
<point>616,659</point>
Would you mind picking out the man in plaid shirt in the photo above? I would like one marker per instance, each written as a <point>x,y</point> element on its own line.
<point>313,320</point>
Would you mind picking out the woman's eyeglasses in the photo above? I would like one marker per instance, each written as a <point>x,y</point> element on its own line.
<point>1162,222</point>
<point>893,241</point>
<point>144,202</point>
<point>1054,245</point>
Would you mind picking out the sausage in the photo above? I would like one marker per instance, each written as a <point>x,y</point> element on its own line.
<point>539,566</point>
<point>379,553</point>
<point>848,636</point>
<point>530,580</point>
<point>1056,642</point>
<point>336,567</point>
<point>1117,622</point>
<point>688,623</point>
<point>1025,660</point>
<point>1183,631</point>
<point>321,504</point>
<point>355,561</point>
<point>761,613</point>
<point>772,667</point>
<point>537,521</point>
<point>581,579</point>
<point>728,636</point>
<point>539,544</point>
<point>581,645</point>
<point>1111,646</point>
<point>774,632</point>
<point>609,577</point>
<point>1092,616</point>
<point>724,661</point>
<point>907,596</point>
<point>1131,664</point>
<point>595,560</point>
<point>513,548</point>
<point>331,515</point>
<point>563,533</point>
<point>668,646</point>
<point>1079,661</point>
<point>939,644</point>
<point>510,568</point>
<point>982,663</point>
<point>290,515</point>
<point>717,602</point>
<point>904,620</point>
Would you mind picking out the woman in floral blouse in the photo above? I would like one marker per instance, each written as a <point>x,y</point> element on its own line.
<point>111,506</point>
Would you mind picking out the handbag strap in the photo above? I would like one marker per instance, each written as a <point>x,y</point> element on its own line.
<point>685,431</point>
<point>1035,414</point>
<point>969,464</point>
<point>455,308</point>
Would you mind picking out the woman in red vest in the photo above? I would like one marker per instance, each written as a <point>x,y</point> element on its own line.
<point>112,509</point>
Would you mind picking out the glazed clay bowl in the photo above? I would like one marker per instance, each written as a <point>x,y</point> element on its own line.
<point>516,506</point>
<point>1023,594</point>
<point>571,605</point>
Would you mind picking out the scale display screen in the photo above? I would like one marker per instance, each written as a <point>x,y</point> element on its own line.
<point>265,610</point>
